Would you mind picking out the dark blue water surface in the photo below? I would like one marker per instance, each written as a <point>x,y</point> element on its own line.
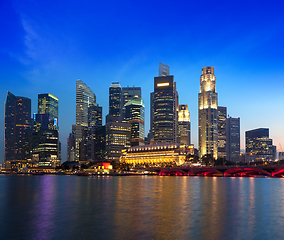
<point>140,207</point>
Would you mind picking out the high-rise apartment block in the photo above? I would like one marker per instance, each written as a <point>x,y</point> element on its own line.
<point>222,138</point>
<point>165,104</point>
<point>233,139</point>
<point>259,144</point>
<point>183,125</point>
<point>17,128</point>
<point>208,113</point>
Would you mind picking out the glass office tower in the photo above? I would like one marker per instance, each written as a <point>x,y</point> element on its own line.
<point>233,139</point>
<point>165,109</point>
<point>45,144</point>
<point>259,144</point>
<point>17,133</point>
<point>48,104</point>
<point>94,121</point>
<point>115,103</point>
<point>135,115</point>
<point>128,94</point>
<point>84,98</point>
<point>222,138</point>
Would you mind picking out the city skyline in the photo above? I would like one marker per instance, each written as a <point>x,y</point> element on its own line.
<point>46,52</point>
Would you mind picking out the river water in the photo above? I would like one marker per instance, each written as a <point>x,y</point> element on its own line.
<point>140,207</point>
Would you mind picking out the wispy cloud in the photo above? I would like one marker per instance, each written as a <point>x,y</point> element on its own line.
<point>31,39</point>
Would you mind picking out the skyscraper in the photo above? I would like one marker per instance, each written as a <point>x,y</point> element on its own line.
<point>183,124</point>
<point>233,139</point>
<point>17,128</point>
<point>118,135</point>
<point>71,145</point>
<point>165,103</point>
<point>115,103</point>
<point>151,112</point>
<point>84,98</point>
<point>100,143</point>
<point>46,146</point>
<point>259,144</point>
<point>48,104</point>
<point>208,113</point>
<point>222,138</point>
<point>94,121</point>
<point>128,94</point>
<point>135,115</point>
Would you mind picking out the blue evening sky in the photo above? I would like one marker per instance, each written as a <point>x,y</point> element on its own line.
<point>46,45</point>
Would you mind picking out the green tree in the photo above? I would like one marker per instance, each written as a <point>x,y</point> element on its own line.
<point>207,159</point>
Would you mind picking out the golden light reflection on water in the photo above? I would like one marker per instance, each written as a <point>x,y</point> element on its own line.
<point>146,207</point>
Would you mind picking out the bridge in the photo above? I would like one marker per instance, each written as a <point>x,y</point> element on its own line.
<point>221,171</point>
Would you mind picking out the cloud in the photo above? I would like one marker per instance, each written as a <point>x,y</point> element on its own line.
<point>31,38</point>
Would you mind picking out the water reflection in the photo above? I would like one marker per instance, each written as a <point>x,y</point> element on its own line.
<point>147,207</point>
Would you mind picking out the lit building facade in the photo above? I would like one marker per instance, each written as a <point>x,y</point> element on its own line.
<point>100,143</point>
<point>165,103</point>
<point>84,98</point>
<point>48,104</point>
<point>46,147</point>
<point>259,144</point>
<point>135,115</point>
<point>157,154</point>
<point>45,143</point>
<point>128,94</point>
<point>222,137</point>
<point>208,113</point>
<point>233,139</point>
<point>115,103</point>
<point>94,121</point>
<point>71,145</point>
<point>118,135</point>
<point>183,125</point>
<point>17,132</point>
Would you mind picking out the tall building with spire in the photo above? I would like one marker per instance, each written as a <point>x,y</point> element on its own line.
<point>208,113</point>
<point>85,97</point>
